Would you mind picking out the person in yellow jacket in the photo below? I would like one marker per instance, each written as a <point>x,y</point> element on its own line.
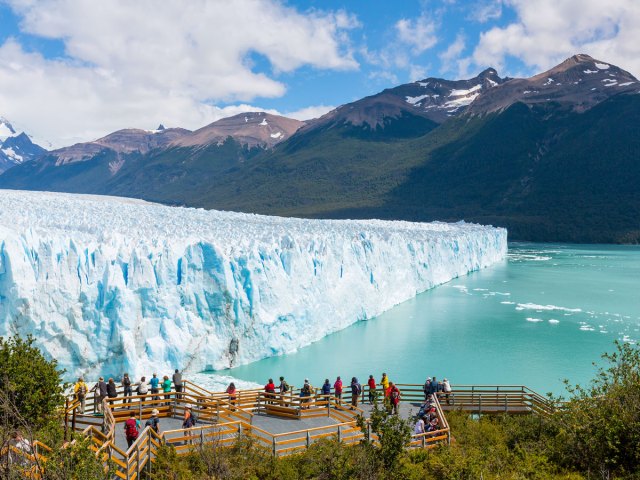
<point>384,383</point>
<point>80,390</point>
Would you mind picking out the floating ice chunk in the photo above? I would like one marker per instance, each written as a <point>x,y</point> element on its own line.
<point>534,320</point>
<point>535,306</point>
<point>553,321</point>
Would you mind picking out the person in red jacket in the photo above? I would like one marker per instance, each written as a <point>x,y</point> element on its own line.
<point>394,397</point>
<point>372,388</point>
<point>270,389</point>
<point>337,389</point>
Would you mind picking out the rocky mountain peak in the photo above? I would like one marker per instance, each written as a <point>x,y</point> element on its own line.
<point>252,129</point>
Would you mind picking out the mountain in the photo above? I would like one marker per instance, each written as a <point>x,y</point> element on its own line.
<point>15,148</point>
<point>580,82</point>
<point>553,157</point>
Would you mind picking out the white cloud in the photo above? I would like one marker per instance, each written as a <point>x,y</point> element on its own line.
<point>144,62</point>
<point>451,57</point>
<point>308,113</point>
<point>418,33</point>
<point>548,31</point>
<point>489,10</point>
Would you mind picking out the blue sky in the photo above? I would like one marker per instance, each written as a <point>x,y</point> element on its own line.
<point>74,70</point>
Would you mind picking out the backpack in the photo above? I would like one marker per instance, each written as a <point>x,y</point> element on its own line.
<point>358,388</point>
<point>306,389</point>
<point>395,394</point>
<point>131,429</point>
<point>82,391</point>
<point>285,387</point>
<point>153,423</point>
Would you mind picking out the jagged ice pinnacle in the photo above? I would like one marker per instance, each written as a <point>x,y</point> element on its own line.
<point>108,285</point>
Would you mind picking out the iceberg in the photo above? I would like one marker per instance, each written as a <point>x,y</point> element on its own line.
<point>107,285</point>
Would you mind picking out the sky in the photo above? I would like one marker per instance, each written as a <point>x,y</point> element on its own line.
<point>76,70</point>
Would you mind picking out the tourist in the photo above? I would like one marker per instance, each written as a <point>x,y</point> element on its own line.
<point>394,397</point>
<point>231,392</point>
<point>326,390</point>
<point>419,427</point>
<point>372,388</point>
<point>305,393</point>
<point>142,389</point>
<point>337,389</point>
<point>131,429</point>
<point>166,388</point>
<point>154,382</point>
<point>112,391</point>
<point>154,421</point>
<point>433,389</point>
<point>101,393</point>
<point>283,388</point>
<point>177,381</point>
<point>23,445</point>
<point>427,388</point>
<point>270,390</point>
<point>384,383</point>
<point>126,385</point>
<point>356,390</point>
<point>80,390</point>
<point>433,424</point>
<point>188,420</point>
<point>446,388</point>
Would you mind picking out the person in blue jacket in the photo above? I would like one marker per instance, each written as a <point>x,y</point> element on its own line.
<point>154,382</point>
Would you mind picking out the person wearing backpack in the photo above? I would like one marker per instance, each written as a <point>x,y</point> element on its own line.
<point>154,421</point>
<point>283,388</point>
<point>131,430</point>
<point>126,385</point>
<point>305,393</point>
<point>100,394</point>
<point>356,390</point>
<point>427,388</point>
<point>372,388</point>
<point>394,397</point>
<point>80,390</point>
<point>189,420</point>
<point>142,389</point>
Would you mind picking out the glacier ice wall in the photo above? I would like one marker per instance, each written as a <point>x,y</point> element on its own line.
<point>108,285</point>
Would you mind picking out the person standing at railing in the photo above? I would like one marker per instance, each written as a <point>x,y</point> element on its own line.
<point>384,383</point>
<point>142,389</point>
<point>326,390</point>
<point>427,388</point>
<point>433,424</point>
<point>433,389</point>
<point>305,393</point>
<point>100,389</point>
<point>231,392</point>
<point>446,388</point>
<point>372,388</point>
<point>80,390</point>
<point>154,382</point>
<point>166,388</point>
<point>177,381</point>
<point>356,390</point>
<point>126,386</point>
<point>337,389</point>
<point>270,390</point>
<point>394,397</point>
<point>154,421</point>
<point>111,390</point>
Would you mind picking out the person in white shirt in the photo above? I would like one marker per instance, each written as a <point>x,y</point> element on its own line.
<point>419,427</point>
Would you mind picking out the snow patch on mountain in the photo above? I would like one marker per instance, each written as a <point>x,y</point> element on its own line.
<point>108,285</point>
<point>602,66</point>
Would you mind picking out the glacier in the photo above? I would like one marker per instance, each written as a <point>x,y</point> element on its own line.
<point>107,285</point>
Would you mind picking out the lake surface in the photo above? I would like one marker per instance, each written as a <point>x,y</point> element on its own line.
<point>544,314</point>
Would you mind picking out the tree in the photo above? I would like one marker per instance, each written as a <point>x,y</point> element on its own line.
<point>599,427</point>
<point>29,381</point>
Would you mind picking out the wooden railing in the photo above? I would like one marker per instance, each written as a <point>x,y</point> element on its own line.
<point>225,419</point>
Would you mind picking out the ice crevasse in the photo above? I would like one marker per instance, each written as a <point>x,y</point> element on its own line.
<point>107,285</point>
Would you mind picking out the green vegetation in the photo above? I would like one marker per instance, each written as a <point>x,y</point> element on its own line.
<point>31,394</point>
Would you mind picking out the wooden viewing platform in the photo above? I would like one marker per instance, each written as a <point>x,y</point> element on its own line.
<point>283,424</point>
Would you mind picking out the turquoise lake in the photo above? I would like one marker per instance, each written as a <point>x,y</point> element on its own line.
<point>542,315</point>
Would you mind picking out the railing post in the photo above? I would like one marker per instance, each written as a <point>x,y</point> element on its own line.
<point>506,409</point>
<point>218,410</point>
<point>138,461</point>
<point>339,434</point>
<point>308,439</point>
<point>140,408</point>
<point>239,429</point>
<point>369,432</point>
<point>66,418</point>
<point>274,446</point>
<point>201,436</point>
<point>328,406</point>
<point>423,441</point>
<point>480,404</point>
